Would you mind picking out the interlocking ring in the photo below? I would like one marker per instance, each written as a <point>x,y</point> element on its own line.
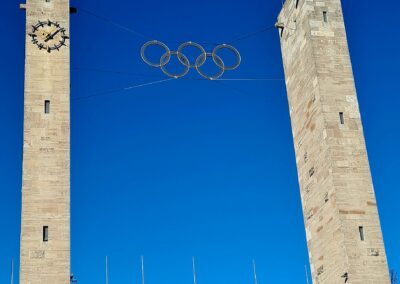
<point>157,43</point>
<point>220,66</point>
<point>199,47</point>
<point>167,57</point>
<point>183,59</point>
<point>231,48</point>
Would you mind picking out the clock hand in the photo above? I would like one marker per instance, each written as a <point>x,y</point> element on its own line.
<point>51,36</point>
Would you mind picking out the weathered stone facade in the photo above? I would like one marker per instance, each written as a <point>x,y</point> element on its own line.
<point>46,157</point>
<point>340,213</point>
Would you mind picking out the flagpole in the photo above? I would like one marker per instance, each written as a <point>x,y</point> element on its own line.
<point>305,268</point>
<point>142,266</point>
<point>106,269</point>
<point>194,271</point>
<point>254,272</point>
<point>12,271</point>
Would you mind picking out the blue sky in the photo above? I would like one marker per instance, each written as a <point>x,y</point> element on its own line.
<point>192,168</point>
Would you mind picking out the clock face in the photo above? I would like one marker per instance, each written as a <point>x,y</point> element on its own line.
<point>48,35</point>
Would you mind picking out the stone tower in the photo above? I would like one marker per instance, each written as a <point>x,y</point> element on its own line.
<point>343,231</point>
<point>45,224</point>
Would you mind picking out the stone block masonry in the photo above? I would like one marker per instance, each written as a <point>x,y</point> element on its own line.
<point>45,224</point>
<point>341,218</point>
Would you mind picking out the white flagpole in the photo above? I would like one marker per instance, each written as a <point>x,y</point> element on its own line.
<point>305,268</point>
<point>194,271</point>
<point>255,272</point>
<point>106,269</point>
<point>142,261</point>
<point>12,271</point>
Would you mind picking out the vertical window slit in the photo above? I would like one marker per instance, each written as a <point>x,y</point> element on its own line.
<point>46,106</point>
<point>311,171</point>
<point>325,15</point>
<point>361,230</point>
<point>45,233</point>
<point>341,117</point>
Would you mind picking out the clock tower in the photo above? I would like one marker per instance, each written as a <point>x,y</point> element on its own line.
<point>45,224</point>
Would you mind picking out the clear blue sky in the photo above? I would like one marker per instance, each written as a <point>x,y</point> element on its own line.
<point>192,168</point>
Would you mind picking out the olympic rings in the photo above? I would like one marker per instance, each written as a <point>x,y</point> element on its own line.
<point>231,48</point>
<point>198,46</point>
<point>220,64</point>
<point>184,60</point>
<point>158,43</point>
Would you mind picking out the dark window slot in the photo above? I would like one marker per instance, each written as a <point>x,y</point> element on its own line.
<point>46,233</point>
<point>341,117</point>
<point>325,15</point>
<point>361,231</point>
<point>46,106</point>
<point>311,171</point>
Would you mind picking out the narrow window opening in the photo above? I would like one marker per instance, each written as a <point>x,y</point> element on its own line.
<point>361,230</point>
<point>46,106</point>
<point>325,14</point>
<point>341,116</point>
<point>311,171</point>
<point>46,233</point>
<point>47,1</point>
<point>297,3</point>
